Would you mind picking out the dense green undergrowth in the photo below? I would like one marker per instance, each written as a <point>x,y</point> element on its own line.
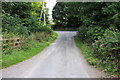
<point>99,29</point>
<point>88,51</point>
<point>26,52</point>
<point>25,33</point>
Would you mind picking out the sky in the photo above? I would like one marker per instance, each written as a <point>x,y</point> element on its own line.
<point>50,5</point>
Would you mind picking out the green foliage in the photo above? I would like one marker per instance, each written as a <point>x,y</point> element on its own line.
<point>87,51</point>
<point>64,17</point>
<point>21,19</point>
<point>30,49</point>
<point>31,23</point>
<point>110,42</point>
<point>90,34</point>
<point>18,18</point>
<point>41,36</point>
<point>72,14</point>
<point>20,55</point>
<point>106,46</point>
<point>95,32</point>
<point>99,27</point>
<point>108,51</point>
<point>13,24</point>
<point>37,10</point>
<point>82,33</point>
<point>22,9</point>
<point>46,28</point>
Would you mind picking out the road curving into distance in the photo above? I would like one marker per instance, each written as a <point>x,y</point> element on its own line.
<point>62,59</point>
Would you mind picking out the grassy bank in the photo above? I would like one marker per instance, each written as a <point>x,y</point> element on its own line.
<point>87,51</point>
<point>23,54</point>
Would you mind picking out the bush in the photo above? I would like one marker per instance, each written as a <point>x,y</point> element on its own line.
<point>82,33</point>
<point>41,36</point>
<point>107,49</point>
<point>90,34</point>
<point>31,23</point>
<point>105,45</point>
<point>45,28</point>
<point>13,25</point>
<point>95,32</point>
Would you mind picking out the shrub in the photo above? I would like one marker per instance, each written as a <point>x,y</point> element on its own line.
<point>13,25</point>
<point>90,34</point>
<point>31,23</point>
<point>107,49</point>
<point>46,28</point>
<point>95,32</point>
<point>41,36</point>
<point>82,33</point>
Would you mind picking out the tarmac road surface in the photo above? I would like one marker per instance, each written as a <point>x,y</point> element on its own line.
<point>62,59</point>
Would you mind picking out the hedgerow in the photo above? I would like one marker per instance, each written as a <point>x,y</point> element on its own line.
<point>22,19</point>
<point>99,28</point>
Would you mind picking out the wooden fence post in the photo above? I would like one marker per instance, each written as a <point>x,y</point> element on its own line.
<point>12,43</point>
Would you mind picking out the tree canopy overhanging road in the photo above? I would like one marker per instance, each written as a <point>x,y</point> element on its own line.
<point>26,32</point>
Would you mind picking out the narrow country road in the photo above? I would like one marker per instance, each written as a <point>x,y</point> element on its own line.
<point>62,59</point>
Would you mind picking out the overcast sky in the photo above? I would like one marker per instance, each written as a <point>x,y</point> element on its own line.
<point>50,5</point>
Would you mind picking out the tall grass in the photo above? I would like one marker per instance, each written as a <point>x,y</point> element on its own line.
<point>19,55</point>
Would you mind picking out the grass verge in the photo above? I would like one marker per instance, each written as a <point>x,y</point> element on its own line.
<point>21,55</point>
<point>87,51</point>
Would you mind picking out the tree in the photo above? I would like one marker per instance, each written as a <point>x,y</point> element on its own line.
<point>75,14</point>
<point>20,8</point>
<point>22,16</point>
